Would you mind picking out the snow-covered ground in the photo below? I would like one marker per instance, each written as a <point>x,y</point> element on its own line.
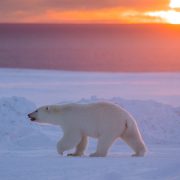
<point>47,87</point>
<point>27,150</point>
<point>161,164</point>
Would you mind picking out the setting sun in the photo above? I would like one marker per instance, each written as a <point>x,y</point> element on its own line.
<point>171,16</point>
<point>175,4</point>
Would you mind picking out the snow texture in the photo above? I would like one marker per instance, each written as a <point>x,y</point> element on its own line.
<point>44,86</point>
<point>16,131</point>
<point>27,150</point>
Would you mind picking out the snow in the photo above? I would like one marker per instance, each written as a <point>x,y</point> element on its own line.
<point>16,131</point>
<point>58,86</point>
<point>27,150</point>
<point>162,164</point>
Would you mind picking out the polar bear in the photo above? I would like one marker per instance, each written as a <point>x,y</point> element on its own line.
<point>102,120</point>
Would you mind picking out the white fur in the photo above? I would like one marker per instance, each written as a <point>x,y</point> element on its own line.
<point>102,120</point>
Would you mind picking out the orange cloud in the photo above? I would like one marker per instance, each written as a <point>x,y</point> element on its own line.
<point>113,15</point>
<point>103,15</point>
<point>110,15</point>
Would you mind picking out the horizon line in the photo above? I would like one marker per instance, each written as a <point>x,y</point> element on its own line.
<point>87,23</point>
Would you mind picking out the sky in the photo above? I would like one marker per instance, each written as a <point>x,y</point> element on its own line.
<point>90,11</point>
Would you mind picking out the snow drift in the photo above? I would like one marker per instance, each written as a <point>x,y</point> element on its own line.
<point>16,131</point>
<point>159,123</point>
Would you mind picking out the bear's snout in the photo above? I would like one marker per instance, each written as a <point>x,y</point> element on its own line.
<point>31,117</point>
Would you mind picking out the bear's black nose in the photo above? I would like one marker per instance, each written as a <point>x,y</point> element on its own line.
<point>31,118</point>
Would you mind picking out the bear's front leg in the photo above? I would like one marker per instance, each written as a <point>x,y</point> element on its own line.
<point>69,141</point>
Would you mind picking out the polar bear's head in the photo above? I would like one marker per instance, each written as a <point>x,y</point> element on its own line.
<point>44,114</point>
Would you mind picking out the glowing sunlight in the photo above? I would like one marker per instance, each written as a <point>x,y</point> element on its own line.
<point>175,4</point>
<point>171,16</point>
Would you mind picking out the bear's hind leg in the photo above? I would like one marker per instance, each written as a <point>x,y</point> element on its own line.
<point>69,141</point>
<point>80,147</point>
<point>135,141</point>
